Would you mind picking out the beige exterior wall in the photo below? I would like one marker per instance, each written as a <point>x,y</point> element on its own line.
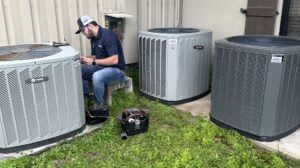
<point>130,32</point>
<point>222,17</point>
<point>159,13</point>
<point>34,21</point>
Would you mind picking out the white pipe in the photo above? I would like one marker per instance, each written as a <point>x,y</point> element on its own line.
<point>35,21</point>
<point>149,13</point>
<point>163,13</point>
<point>80,12</point>
<point>59,21</point>
<point>8,22</point>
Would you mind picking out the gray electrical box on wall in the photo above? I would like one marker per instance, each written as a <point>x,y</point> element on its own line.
<point>255,87</point>
<point>116,22</point>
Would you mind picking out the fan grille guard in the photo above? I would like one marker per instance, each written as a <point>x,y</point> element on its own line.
<point>265,41</point>
<point>174,30</point>
<point>27,51</point>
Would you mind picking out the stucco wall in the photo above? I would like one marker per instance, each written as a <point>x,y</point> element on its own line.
<point>222,17</point>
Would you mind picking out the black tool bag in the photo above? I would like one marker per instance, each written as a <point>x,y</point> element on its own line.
<point>133,121</point>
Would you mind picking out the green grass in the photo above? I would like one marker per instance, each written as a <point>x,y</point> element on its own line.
<point>174,139</point>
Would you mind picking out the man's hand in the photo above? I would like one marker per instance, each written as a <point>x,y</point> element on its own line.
<point>109,61</point>
<point>88,60</point>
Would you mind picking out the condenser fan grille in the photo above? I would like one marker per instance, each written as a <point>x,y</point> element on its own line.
<point>174,30</point>
<point>27,51</point>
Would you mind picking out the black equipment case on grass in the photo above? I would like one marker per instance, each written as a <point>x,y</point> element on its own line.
<point>133,121</point>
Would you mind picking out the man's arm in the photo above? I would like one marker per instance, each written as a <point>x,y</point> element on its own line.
<point>112,60</point>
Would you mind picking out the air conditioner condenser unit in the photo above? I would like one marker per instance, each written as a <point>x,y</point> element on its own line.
<point>41,95</point>
<point>255,87</point>
<point>174,63</point>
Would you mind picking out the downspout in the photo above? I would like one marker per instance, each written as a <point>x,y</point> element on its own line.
<point>284,17</point>
<point>8,22</point>
<point>179,14</point>
<point>35,21</point>
<point>59,21</point>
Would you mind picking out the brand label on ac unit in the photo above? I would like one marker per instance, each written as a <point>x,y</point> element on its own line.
<point>173,43</point>
<point>77,62</point>
<point>37,79</point>
<point>277,58</point>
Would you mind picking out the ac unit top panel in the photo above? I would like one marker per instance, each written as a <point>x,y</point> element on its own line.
<point>27,51</point>
<point>173,32</point>
<point>263,42</point>
<point>31,54</point>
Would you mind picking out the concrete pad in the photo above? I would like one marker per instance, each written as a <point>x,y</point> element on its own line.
<point>289,145</point>
<point>88,129</point>
<point>199,107</point>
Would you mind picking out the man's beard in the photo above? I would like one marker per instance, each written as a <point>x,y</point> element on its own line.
<point>89,34</point>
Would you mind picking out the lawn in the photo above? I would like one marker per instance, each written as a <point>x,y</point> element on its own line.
<point>174,139</point>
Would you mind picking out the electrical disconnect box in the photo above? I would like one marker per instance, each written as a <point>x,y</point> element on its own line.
<point>116,22</point>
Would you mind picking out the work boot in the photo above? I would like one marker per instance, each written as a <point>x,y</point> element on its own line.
<point>96,113</point>
<point>93,105</point>
<point>97,110</point>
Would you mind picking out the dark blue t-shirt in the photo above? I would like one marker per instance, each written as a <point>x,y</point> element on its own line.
<point>107,44</point>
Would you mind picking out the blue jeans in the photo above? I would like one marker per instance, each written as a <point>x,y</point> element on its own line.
<point>100,76</point>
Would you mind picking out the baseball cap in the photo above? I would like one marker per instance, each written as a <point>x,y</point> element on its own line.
<point>83,21</point>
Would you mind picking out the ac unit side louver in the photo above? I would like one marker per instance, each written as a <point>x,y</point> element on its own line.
<point>174,63</point>
<point>41,95</point>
